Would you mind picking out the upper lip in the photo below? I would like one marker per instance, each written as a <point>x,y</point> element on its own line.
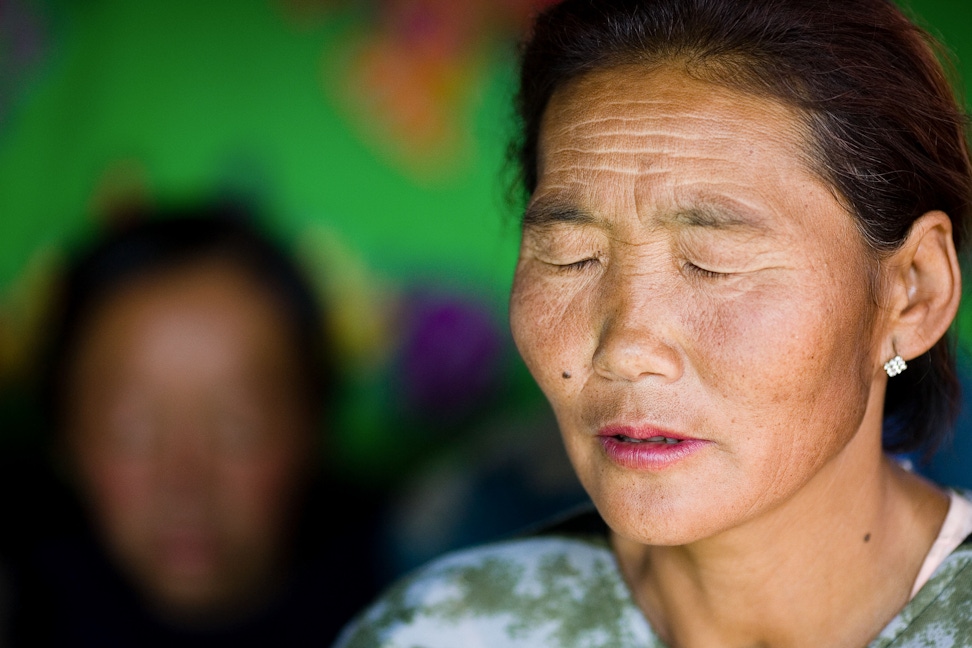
<point>640,432</point>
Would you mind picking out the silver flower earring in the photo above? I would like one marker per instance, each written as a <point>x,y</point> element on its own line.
<point>895,365</point>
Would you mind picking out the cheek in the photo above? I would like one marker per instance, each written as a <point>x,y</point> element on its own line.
<point>549,324</point>
<point>256,492</point>
<point>782,359</point>
<point>120,491</point>
<point>749,345</point>
<point>780,340</point>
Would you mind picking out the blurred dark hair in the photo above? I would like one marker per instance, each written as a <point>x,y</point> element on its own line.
<point>885,130</point>
<point>151,242</point>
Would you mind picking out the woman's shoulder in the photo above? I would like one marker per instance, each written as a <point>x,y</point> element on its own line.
<point>553,589</point>
<point>940,614</point>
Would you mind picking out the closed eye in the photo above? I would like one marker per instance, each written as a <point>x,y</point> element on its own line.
<point>577,265</point>
<point>698,271</point>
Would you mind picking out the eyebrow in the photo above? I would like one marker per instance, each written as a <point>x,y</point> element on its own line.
<point>715,217</point>
<point>545,214</point>
<point>542,214</point>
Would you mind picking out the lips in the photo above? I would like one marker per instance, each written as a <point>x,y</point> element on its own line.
<point>642,434</point>
<point>647,448</point>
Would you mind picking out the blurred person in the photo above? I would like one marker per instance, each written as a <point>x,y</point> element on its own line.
<point>186,381</point>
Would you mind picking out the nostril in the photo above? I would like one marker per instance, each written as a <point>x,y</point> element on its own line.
<point>632,354</point>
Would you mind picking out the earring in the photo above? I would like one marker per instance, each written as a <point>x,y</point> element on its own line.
<point>895,365</point>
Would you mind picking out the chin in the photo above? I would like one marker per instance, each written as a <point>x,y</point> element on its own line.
<point>663,513</point>
<point>187,593</point>
<point>659,524</point>
<point>193,604</point>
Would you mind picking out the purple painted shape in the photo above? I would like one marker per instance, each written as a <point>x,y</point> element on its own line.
<point>451,357</point>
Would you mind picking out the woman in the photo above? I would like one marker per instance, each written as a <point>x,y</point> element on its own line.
<point>742,227</point>
<point>188,378</point>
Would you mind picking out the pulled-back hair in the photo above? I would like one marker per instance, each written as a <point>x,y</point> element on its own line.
<point>884,128</point>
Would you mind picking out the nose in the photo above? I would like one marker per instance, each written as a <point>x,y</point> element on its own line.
<point>637,337</point>
<point>186,465</point>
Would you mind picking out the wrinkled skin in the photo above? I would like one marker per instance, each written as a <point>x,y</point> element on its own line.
<point>718,290</point>
<point>189,433</point>
<point>683,269</point>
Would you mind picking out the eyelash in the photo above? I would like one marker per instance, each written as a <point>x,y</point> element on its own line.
<point>702,272</point>
<point>578,265</point>
<point>690,267</point>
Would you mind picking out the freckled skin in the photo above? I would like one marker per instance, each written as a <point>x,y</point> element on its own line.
<point>770,360</point>
<point>714,287</point>
<point>189,434</point>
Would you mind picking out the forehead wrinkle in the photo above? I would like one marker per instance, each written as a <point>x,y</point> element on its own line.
<point>655,123</point>
<point>619,103</point>
<point>659,141</point>
<point>658,125</point>
<point>653,127</point>
<point>607,167</point>
<point>575,163</point>
<point>667,142</point>
<point>612,146</point>
<point>639,153</point>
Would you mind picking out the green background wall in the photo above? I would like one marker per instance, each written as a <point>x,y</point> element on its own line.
<point>197,96</point>
<point>181,98</point>
<point>372,133</point>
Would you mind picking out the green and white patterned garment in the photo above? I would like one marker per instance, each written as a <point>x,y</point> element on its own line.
<point>564,590</point>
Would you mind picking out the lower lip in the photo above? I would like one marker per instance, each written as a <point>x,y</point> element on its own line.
<point>649,456</point>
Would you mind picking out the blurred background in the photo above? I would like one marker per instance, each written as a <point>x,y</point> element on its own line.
<point>371,138</point>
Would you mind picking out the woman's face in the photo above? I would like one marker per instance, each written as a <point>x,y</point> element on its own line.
<point>694,303</point>
<point>189,430</point>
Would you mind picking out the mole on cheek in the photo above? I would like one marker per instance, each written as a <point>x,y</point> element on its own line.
<point>566,375</point>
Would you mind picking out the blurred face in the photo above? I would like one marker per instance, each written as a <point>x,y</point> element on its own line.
<point>692,301</point>
<point>188,429</point>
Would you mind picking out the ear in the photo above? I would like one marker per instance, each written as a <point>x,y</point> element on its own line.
<point>924,288</point>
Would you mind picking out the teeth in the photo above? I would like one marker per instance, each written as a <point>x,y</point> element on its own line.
<point>654,439</point>
<point>662,439</point>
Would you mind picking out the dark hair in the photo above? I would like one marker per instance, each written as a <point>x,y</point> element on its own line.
<point>153,242</point>
<point>885,130</point>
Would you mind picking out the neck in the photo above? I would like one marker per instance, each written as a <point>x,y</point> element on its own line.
<point>832,565</point>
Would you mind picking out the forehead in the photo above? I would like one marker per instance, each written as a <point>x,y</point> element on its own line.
<point>207,286</point>
<point>199,312</point>
<point>664,100</point>
<point>628,134</point>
